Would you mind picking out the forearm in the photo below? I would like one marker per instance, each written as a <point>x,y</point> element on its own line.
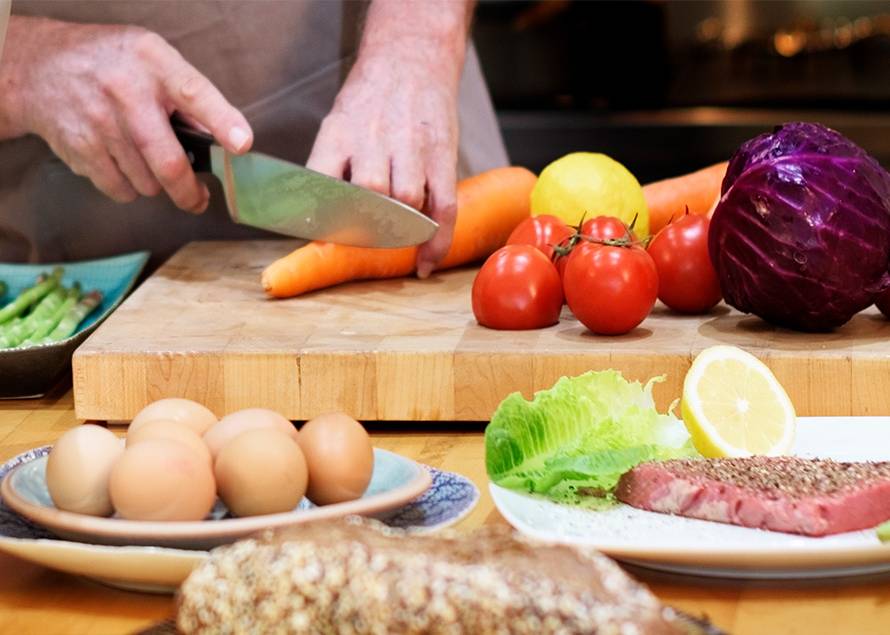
<point>434,31</point>
<point>20,33</point>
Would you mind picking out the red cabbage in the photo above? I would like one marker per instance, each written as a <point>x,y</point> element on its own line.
<point>801,235</point>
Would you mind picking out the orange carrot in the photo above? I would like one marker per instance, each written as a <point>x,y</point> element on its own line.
<point>489,206</point>
<point>670,197</point>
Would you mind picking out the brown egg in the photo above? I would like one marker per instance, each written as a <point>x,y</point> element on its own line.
<point>185,411</point>
<point>339,457</point>
<point>235,423</point>
<point>79,467</point>
<point>171,430</point>
<point>261,471</point>
<point>160,479</point>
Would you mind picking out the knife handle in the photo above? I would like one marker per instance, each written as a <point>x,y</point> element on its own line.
<point>195,143</point>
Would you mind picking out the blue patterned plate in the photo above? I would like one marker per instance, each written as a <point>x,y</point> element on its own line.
<point>159,569</point>
<point>32,371</point>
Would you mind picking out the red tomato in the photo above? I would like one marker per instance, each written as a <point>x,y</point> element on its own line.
<point>687,281</point>
<point>610,289</point>
<point>542,231</point>
<point>606,228</point>
<point>517,288</point>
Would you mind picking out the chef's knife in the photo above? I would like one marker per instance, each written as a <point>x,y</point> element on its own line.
<point>265,192</point>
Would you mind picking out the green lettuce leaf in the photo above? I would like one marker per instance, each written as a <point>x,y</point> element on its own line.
<point>573,442</point>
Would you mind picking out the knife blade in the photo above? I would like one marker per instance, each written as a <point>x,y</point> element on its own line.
<point>286,198</point>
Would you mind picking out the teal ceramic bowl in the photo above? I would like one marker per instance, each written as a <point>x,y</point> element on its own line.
<point>32,371</point>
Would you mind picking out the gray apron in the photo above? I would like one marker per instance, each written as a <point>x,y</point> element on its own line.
<point>280,62</point>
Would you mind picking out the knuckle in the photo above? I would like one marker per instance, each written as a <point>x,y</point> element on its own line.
<point>409,196</point>
<point>173,168</point>
<point>147,45</point>
<point>375,183</point>
<point>193,86</point>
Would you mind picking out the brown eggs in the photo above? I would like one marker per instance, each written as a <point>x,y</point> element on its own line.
<point>185,411</point>
<point>339,456</point>
<point>161,479</point>
<point>79,468</point>
<point>261,471</point>
<point>240,421</point>
<point>169,430</point>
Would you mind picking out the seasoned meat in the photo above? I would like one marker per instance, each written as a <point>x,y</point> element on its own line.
<point>814,497</point>
<point>357,576</point>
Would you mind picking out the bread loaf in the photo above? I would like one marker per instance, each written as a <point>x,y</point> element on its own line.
<point>358,576</point>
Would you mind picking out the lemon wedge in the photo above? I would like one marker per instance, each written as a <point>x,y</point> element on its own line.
<point>733,405</point>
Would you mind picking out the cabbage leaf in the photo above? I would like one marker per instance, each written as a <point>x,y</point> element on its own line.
<point>573,441</point>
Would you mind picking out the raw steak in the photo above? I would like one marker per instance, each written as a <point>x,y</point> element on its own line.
<point>814,497</point>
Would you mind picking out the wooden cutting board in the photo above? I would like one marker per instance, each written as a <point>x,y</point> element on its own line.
<point>408,349</point>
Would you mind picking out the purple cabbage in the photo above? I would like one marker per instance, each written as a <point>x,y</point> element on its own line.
<point>801,235</point>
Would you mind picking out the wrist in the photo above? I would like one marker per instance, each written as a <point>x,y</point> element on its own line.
<point>431,32</point>
<point>23,42</point>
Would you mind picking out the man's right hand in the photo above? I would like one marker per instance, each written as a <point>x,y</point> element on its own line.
<point>101,96</point>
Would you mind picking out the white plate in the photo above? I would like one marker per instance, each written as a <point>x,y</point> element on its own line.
<point>699,547</point>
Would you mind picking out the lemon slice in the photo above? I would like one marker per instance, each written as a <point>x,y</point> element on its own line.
<point>734,406</point>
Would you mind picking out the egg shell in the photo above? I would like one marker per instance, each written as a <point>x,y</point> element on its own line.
<point>261,471</point>
<point>162,480</point>
<point>171,430</point>
<point>240,421</point>
<point>79,468</point>
<point>194,415</point>
<point>339,456</point>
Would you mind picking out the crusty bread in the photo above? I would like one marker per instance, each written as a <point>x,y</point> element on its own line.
<point>358,576</point>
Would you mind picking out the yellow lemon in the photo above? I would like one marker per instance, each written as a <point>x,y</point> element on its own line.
<point>588,184</point>
<point>734,406</point>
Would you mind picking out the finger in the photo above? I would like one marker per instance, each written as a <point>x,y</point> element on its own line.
<point>371,171</point>
<point>109,179</point>
<point>328,156</point>
<point>134,167</point>
<point>407,180</point>
<point>441,206</point>
<point>154,139</point>
<point>195,96</point>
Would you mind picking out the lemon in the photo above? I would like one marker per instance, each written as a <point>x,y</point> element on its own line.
<point>734,406</point>
<point>588,184</point>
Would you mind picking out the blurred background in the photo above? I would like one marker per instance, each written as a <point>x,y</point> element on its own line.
<point>670,86</point>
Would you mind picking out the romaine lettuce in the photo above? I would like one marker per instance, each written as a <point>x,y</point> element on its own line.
<point>573,442</point>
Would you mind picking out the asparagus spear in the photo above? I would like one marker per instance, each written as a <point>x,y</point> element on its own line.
<point>30,296</point>
<point>13,336</point>
<point>46,326</point>
<point>75,316</point>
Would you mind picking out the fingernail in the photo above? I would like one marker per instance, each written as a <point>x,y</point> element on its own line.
<point>238,137</point>
<point>424,270</point>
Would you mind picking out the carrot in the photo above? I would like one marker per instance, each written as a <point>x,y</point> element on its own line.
<point>670,197</point>
<point>489,206</point>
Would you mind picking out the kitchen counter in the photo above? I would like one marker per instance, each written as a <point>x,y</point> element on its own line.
<point>37,600</point>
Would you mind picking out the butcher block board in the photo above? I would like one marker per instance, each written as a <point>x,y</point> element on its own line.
<point>406,349</point>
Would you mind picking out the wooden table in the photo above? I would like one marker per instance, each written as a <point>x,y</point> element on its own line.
<point>37,600</point>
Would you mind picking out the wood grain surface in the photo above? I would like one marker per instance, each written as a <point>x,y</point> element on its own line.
<point>408,349</point>
<point>41,601</point>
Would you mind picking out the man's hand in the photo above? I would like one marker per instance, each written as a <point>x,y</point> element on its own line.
<point>393,127</point>
<point>101,96</point>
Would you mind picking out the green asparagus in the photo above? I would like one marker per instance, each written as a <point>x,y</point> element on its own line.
<point>75,316</point>
<point>47,325</point>
<point>30,296</point>
<point>13,336</point>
